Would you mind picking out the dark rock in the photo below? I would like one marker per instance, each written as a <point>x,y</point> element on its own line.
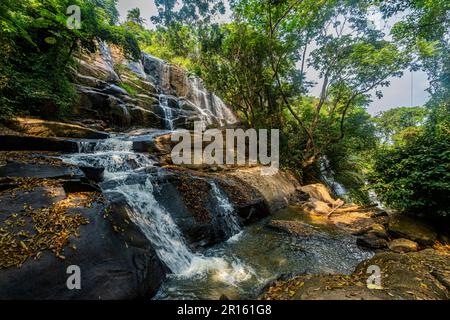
<point>296,228</point>
<point>74,186</point>
<point>115,258</point>
<point>93,174</point>
<point>196,209</point>
<point>26,143</point>
<point>371,241</point>
<point>43,171</point>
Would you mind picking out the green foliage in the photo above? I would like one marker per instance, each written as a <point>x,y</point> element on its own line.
<point>395,126</point>
<point>415,177</point>
<point>37,49</point>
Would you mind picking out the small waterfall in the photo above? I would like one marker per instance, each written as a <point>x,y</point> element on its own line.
<point>226,209</point>
<point>328,176</point>
<point>168,112</point>
<point>157,225</point>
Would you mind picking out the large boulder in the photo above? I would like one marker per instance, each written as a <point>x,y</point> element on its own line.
<point>198,203</point>
<point>115,259</point>
<point>278,190</point>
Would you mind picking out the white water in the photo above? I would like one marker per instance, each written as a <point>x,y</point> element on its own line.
<point>168,78</point>
<point>226,209</point>
<point>122,167</point>
<point>168,113</point>
<point>328,176</point>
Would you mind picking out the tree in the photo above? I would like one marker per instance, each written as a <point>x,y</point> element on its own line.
<point>190,12</point>
<point>134,15</point>
<point>396,125</point>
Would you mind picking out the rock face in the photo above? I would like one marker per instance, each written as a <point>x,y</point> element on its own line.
<point>403,245</point>
<point>420,275</point>
<point>148,92</point>
<point>412,228</point>
<point>115,259</point>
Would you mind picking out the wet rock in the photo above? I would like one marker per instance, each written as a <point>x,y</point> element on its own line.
<point>412,228</point>
<point>403,245</point>
<point>198,212</point>
<point>371,241</point>
<point>296,228</point>
<point>75,185</point>
<point>45,129</point>
<point>115,259</point>
<point>21,143</point>
<point>94,174</point>
<point>18,169</point>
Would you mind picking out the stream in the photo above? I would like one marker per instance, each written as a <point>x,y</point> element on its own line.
<point>237,268</point>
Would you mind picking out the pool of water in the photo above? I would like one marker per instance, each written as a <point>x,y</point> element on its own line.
<point>242,266</point>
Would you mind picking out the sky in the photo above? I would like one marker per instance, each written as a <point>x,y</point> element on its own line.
<point>409,90</point>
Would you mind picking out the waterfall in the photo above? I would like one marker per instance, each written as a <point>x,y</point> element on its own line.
<point>328,177</point>
<point>168,113</point>
<point>226,209</point>
<point>125,174</point>
<point>121,164</point>
<point>172,80</point>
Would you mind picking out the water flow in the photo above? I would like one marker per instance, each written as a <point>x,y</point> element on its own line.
<point>226,209</point>
<point>122,165</point>
<point>328,176</point>
<point>168,113</point>
<point>125,173</point>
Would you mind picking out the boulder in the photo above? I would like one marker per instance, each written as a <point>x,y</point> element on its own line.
<point>319,192</point>
<point>403,245</point>
<point>412,228</point>
<point>371,241</point>
<point>115,259</point>
<point>278,190</point>
<point>198,211</point>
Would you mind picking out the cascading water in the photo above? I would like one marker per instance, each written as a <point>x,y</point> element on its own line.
<point>172,80</point>
<point>168,113</point>
<point>126,172</point>
<point>226,210</point>
<point>328,177</point>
